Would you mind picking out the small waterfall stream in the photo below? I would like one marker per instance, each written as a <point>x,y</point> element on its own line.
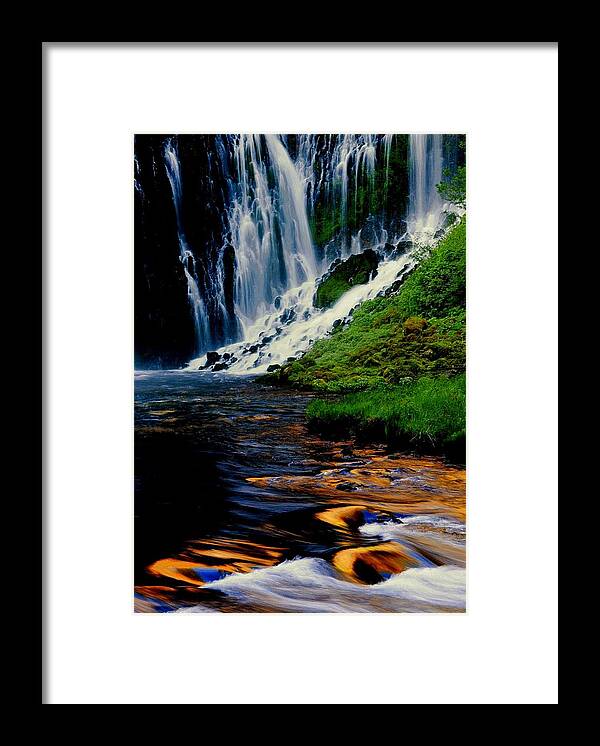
<point>186,256</point>
<point>425,204</point>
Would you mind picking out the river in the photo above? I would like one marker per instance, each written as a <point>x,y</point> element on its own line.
<point>240,508</point>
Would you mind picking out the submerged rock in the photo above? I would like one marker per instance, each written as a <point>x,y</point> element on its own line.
<point>374,563</point>
<point>346,486</point>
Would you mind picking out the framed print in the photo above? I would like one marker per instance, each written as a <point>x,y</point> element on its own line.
<point>300,360</point>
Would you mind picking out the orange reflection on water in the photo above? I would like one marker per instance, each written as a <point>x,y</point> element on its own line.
<point>228,555</point>
<point>367,564</point>
<point>401,484</point>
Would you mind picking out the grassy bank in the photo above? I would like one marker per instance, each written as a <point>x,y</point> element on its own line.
<point>427,414</point>
<point>400,361</point>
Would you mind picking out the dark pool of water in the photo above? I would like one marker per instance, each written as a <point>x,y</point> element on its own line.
<point>198,437</point>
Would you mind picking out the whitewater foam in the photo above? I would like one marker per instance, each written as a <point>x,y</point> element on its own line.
<point>306,323</point>
<point>312,585</point>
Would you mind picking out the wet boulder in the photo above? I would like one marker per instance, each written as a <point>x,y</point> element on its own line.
<point>212,358</point>
<point>357,269</point>
<point>393,288</point>
<point>401,248</point>
<point>399,281</point>
<point>288,316</point>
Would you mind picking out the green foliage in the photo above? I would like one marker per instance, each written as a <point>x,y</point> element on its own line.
<point>356,270</point>
<point>454,189</point>
<point>418,332</point>
<point>428,414</point>
<point>437,287</point>
<point>325,223</point>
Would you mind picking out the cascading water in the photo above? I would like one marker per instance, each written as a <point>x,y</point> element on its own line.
<point>268,225</point>
<point>276,187</point>
<point>425,172</point>
<point>201,321</point>
<point>333,167</point>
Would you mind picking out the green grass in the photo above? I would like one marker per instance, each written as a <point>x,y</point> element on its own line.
<point>427,414</point>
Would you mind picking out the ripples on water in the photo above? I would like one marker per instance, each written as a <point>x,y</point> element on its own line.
<point>238,507</point>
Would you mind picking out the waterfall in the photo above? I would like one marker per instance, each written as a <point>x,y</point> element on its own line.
<point>259,219</point>
<point>276,189</point>
<point>425,172</point>
<point>333,167</point>
<point>186,256</point>
<point>268,224</point>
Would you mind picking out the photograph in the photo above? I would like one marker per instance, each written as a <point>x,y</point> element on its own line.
<point>300,372</point>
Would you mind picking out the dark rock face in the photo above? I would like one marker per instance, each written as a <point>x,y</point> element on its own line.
<point>357,269</point>
<point>164,328</point>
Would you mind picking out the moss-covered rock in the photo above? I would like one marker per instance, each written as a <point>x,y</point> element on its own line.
<point>358,269</point>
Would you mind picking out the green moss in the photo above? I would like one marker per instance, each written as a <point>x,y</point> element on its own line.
<point>356,270</point>
<point>385,192</point>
